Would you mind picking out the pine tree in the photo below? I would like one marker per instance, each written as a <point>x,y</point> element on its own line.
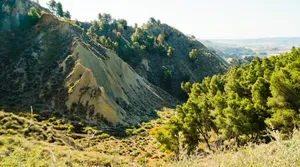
<point>59,10</point>
<point>67,15</point>
<point>52,5</point>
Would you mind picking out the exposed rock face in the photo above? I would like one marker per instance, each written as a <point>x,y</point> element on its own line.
<point>109,86</point>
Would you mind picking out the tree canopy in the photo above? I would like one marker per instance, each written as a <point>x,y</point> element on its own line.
<point>241,104</point>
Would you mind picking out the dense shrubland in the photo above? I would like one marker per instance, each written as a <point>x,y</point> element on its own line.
<point>238,106</point>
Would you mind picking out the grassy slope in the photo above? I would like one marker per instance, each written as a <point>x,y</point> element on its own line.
<point>50,143</point>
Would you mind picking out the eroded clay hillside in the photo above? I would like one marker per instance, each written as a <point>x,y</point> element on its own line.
<point>54,67</point>
<point>158,52</point>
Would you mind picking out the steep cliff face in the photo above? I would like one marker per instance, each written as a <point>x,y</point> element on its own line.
<point>109,86</point>
<point>50,67</point>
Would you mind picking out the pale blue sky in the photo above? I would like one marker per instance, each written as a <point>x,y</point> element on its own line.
<point>206,19</point>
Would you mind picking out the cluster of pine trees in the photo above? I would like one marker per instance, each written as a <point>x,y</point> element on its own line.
<point>130,43</point>
<point>238,105</point>
<point>57,7</point>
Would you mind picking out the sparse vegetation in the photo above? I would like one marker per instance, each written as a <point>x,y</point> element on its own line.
<point>89,146</point>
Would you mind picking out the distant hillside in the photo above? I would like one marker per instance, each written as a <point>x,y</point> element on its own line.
<point>227,51</point>
<point>262,46</point>
<point>291,41</point>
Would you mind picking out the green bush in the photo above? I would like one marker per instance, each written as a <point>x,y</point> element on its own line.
<point>103,136</point>
<point>34,16</point>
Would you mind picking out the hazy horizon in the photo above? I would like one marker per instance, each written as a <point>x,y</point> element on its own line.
<point>215,19</point>
<point>249,38</point>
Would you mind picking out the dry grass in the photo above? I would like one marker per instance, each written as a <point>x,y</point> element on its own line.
<point>19,151</point>
<point>279,153</point>
<point>141,146</point>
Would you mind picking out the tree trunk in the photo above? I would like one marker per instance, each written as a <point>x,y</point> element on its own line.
<point>205,138</point>
<point>206,141</point>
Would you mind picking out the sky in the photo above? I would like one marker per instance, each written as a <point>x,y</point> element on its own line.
<point>205,19</point>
